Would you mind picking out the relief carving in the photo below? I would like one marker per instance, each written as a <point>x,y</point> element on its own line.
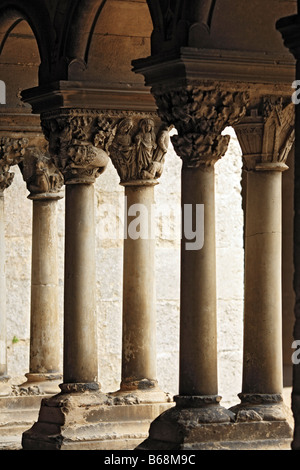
<point>267,135</point>
<point>136,151</point>
<point>77,145</point>
<point>200,116</point>
<point>12,151</point>
<point>80,144</point>
<point>40,173</point>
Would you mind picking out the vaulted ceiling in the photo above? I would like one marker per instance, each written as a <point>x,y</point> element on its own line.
<point>64,29</point>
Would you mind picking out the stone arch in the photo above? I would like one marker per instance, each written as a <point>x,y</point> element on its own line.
<point>63,41</point>
<point>36,15</point>
<point>122,33</point>
<point>73,23</point>
<point>178,24</point>
<point>83,20</point>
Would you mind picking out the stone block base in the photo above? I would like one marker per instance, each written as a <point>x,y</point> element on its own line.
<point>200,429</point>
<point>20,405</point>
<point>94,421</point>
<point>16,415</point>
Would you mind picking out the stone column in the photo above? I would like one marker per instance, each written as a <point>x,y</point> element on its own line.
<point>139,316</point>
<point>80,162</point>
<point>204,114</point>
<point>80,327</point>
<point>266,137</point>
<point>200,115</point>
<point>137,151</point>
<point>78,142</point>
<point>11,153</point>
<point>3,355</point>
<point>289,28</point>
<point>44,183</point>
<point>198,319</point>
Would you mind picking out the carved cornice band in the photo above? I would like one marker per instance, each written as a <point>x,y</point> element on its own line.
<point>200,116</point>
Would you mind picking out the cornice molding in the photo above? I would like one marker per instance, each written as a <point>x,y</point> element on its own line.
<point>242,68</point>
<point>15,120</point>
<point>63,94</point>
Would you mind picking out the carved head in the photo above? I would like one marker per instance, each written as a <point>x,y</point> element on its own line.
<point>147,125</point>
<point>125,126</point>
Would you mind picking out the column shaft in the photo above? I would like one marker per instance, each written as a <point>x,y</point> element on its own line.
<point>198,325</point>
<point>262,369</point>
<point>3,354</point>
<point>139,319</point>
<point>45,344</point>
<point>80,332</point>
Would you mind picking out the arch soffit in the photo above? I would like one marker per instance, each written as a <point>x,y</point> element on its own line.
<point>36,15</point>
<point>79,26</point>
<point>66,39</point>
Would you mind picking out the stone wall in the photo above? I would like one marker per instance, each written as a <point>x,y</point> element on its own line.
<point>109,203</point>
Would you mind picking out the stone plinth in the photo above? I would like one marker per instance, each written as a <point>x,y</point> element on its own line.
<point>17,414</point>
<point>206,428</point>
<point>93,421</point>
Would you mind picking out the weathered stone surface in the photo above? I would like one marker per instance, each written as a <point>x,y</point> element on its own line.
<point>109,59</point>
<point>185,429</point>
<point>92,421</point>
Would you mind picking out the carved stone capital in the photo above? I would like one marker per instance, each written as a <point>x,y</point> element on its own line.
<point>267,135</point>
<point>200,115</point>
<point>77,143</point>
<point>137,151</point>
<point>12,151</point>
<point>42,178</point>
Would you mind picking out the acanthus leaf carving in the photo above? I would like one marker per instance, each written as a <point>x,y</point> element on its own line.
<point>200,116</point>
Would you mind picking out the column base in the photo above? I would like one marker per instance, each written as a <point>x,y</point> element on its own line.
<point>5,386</point>
<point>200,423</point>
<point>260,407</point>
<point>141,396</point>
<point>144,391</point>
<point>41,384</point>
<point>19,408</point>
<point>92,420</point>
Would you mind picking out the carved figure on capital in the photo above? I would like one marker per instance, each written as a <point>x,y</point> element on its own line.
<point>122,150</point>
<point>136,151</point>
<point>40,173</point>
<point>12,151</point>
<point>77,145</point>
